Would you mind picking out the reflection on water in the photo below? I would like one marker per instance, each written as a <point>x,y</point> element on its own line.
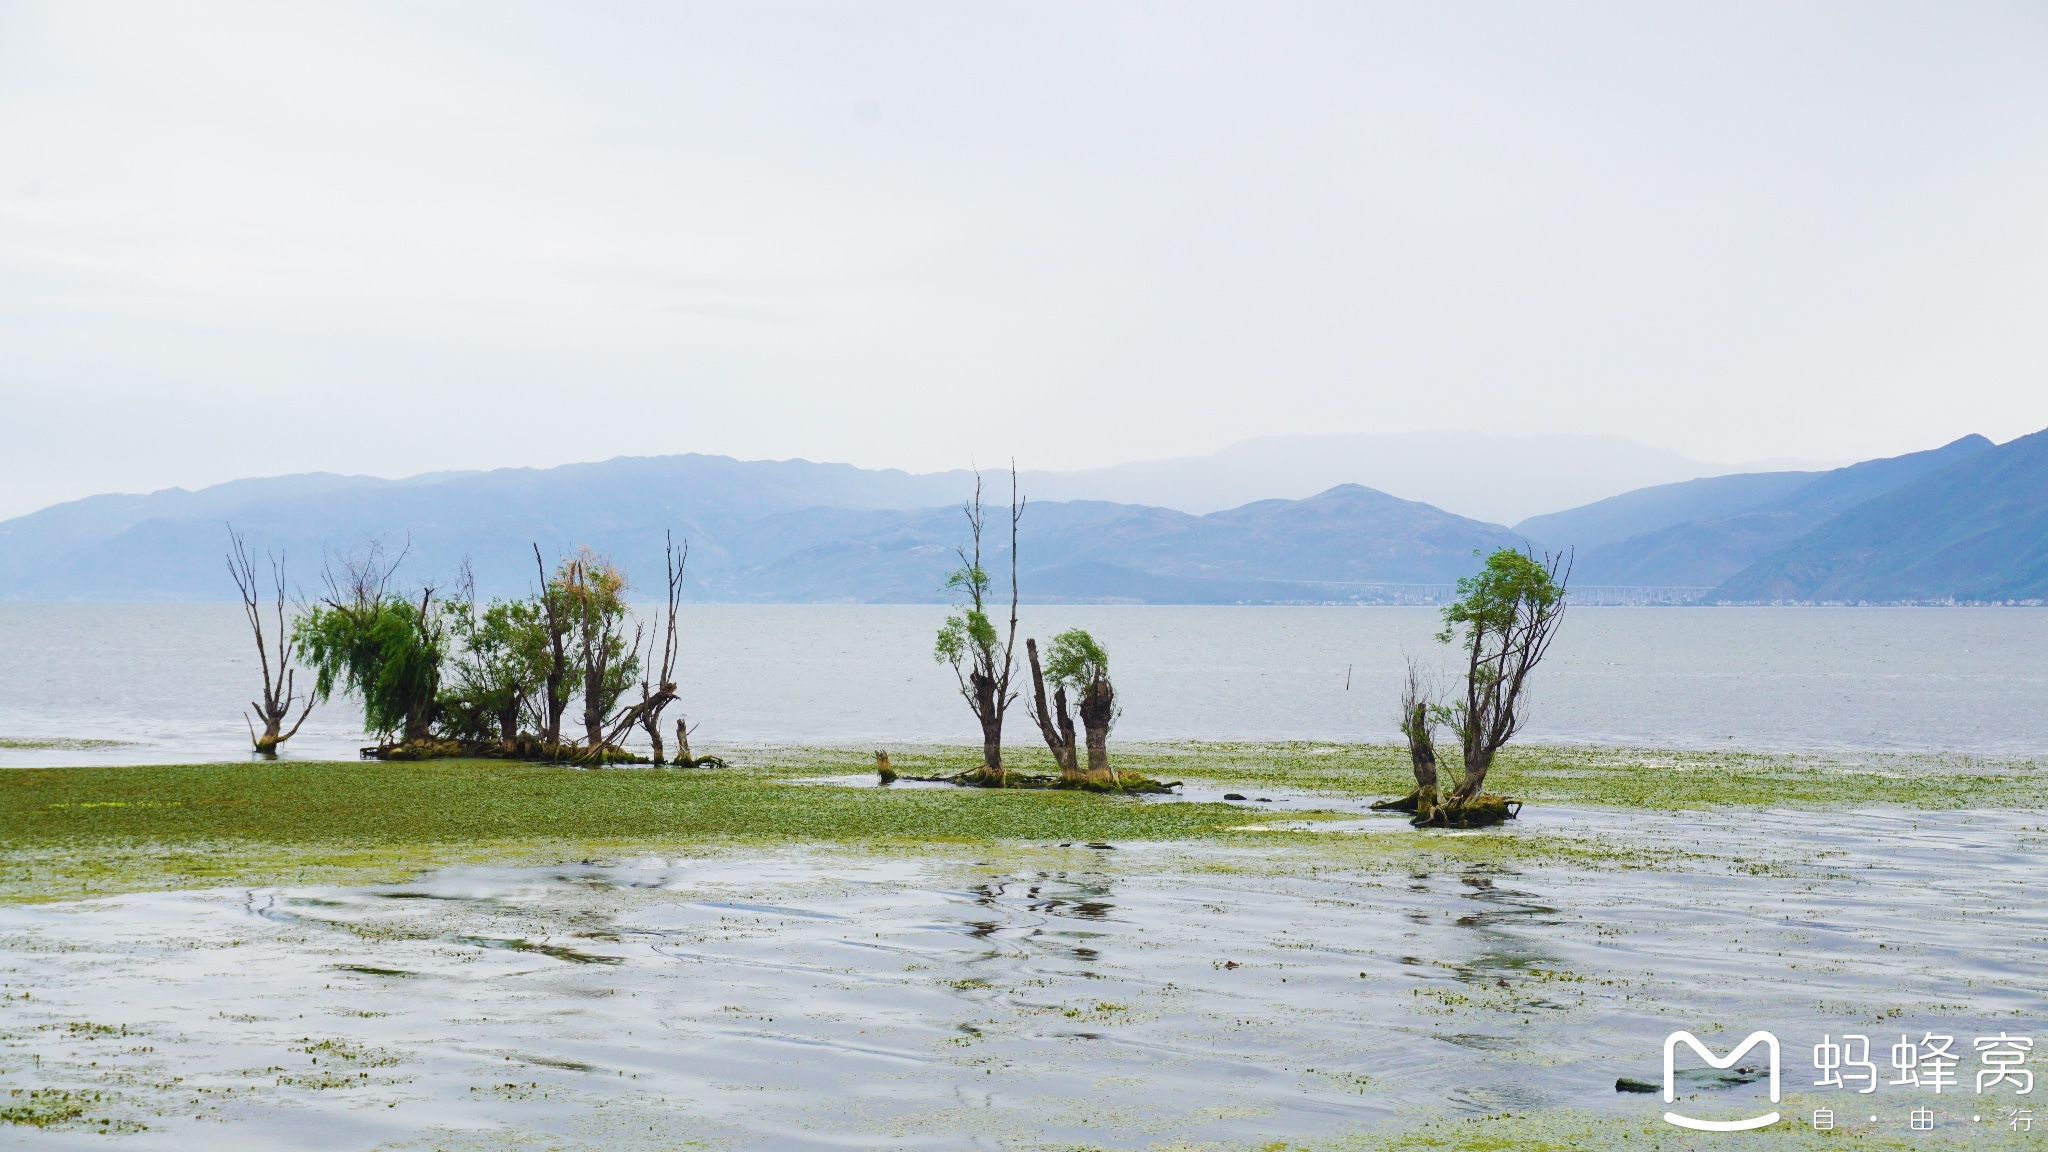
<point>1042,996</point>
<point>174,679</point>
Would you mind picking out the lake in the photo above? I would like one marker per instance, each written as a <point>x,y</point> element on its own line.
<point>170,681</point>
<point>1038,996</point>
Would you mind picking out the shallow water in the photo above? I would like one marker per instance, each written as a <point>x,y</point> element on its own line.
<point>172,680</point>
<point>1120,997</point>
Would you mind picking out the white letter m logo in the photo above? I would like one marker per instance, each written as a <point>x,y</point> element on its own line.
<point>1728,1061</point>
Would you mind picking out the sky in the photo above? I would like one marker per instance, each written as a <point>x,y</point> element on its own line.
<point>251,239</point>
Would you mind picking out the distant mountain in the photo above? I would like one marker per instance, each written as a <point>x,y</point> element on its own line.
<point>90,549</point>
<point>1976,529</point>
<point>758,531</point>
<point>1644,510</point>
<point>1329,547</point>
<point>1493,478</point>
<point>1714,528</point>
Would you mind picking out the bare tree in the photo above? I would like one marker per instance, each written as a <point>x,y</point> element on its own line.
<point>1421,712</point>
<point>1055,723</point>
<point>280,689</point>
<point>658,687</point>
<point>982,661</point>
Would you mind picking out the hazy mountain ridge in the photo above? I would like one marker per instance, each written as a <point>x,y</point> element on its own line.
<point>1490,478</point>
<point>1974,530</point>
<point>758,530</point>
<point>1964,521</point>
<point>1734,521</point>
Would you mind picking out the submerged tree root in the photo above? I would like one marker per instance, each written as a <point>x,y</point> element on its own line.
<point>1482,811</point>
<point>522,748</point>
<point>1124,784</point>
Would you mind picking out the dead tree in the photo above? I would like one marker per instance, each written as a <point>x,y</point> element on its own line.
<point>280,689</point>
<point>1420,714</point>
<point>1055,723</point>
<point>658,688</point>
<point>982,661</point>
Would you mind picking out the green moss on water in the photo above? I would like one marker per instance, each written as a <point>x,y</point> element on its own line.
<point>57,744</point>
<point>1658,779</point>
<point>67,833</point>
<point>1568,1130</point>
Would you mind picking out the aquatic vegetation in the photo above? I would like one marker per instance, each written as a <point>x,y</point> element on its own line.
<point>51,1107</point>
<point>1267,969</point>
<point>72,832</point>
<point>1658,779</point>
<point>1573,1130</point>
<point>58,744</point>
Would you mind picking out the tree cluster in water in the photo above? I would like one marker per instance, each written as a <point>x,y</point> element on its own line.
<point>449,674</point>
<point>442,675</point>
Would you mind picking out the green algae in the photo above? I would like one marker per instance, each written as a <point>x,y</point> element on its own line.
<point>1574,1130</point>
<point>67,833</point>
<point>57,744</point>
<point>1660,779</point>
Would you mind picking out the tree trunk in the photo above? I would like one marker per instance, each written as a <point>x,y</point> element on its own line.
<point>508,725</point>
<point>266,744</point>
<point>1475,779</point>
<point>985,710</point>
<point>593,720</point>
<point>683,756</point>
<point>992,749</point>
<point>1056,724</point>
<point>551,736</point>
<point>1098,709</point>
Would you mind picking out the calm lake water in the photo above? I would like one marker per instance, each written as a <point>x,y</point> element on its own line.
<point>1033,997</point>
<point>170,681</point>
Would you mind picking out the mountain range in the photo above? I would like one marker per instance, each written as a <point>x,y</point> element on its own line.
<point>1966,521</point>
<point>1701,532</point>
<point>776,531</point>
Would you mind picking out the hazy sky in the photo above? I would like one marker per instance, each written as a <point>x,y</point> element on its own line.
<point>391,238</point>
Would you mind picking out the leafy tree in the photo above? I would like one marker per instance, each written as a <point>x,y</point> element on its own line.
<point>593,594</point>
<point>1505,616</point>
<point>1077,662</point>
<point>378,646</point>
<point>982,658</point>
<point>1055,722</point>
<point>502,663</point>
